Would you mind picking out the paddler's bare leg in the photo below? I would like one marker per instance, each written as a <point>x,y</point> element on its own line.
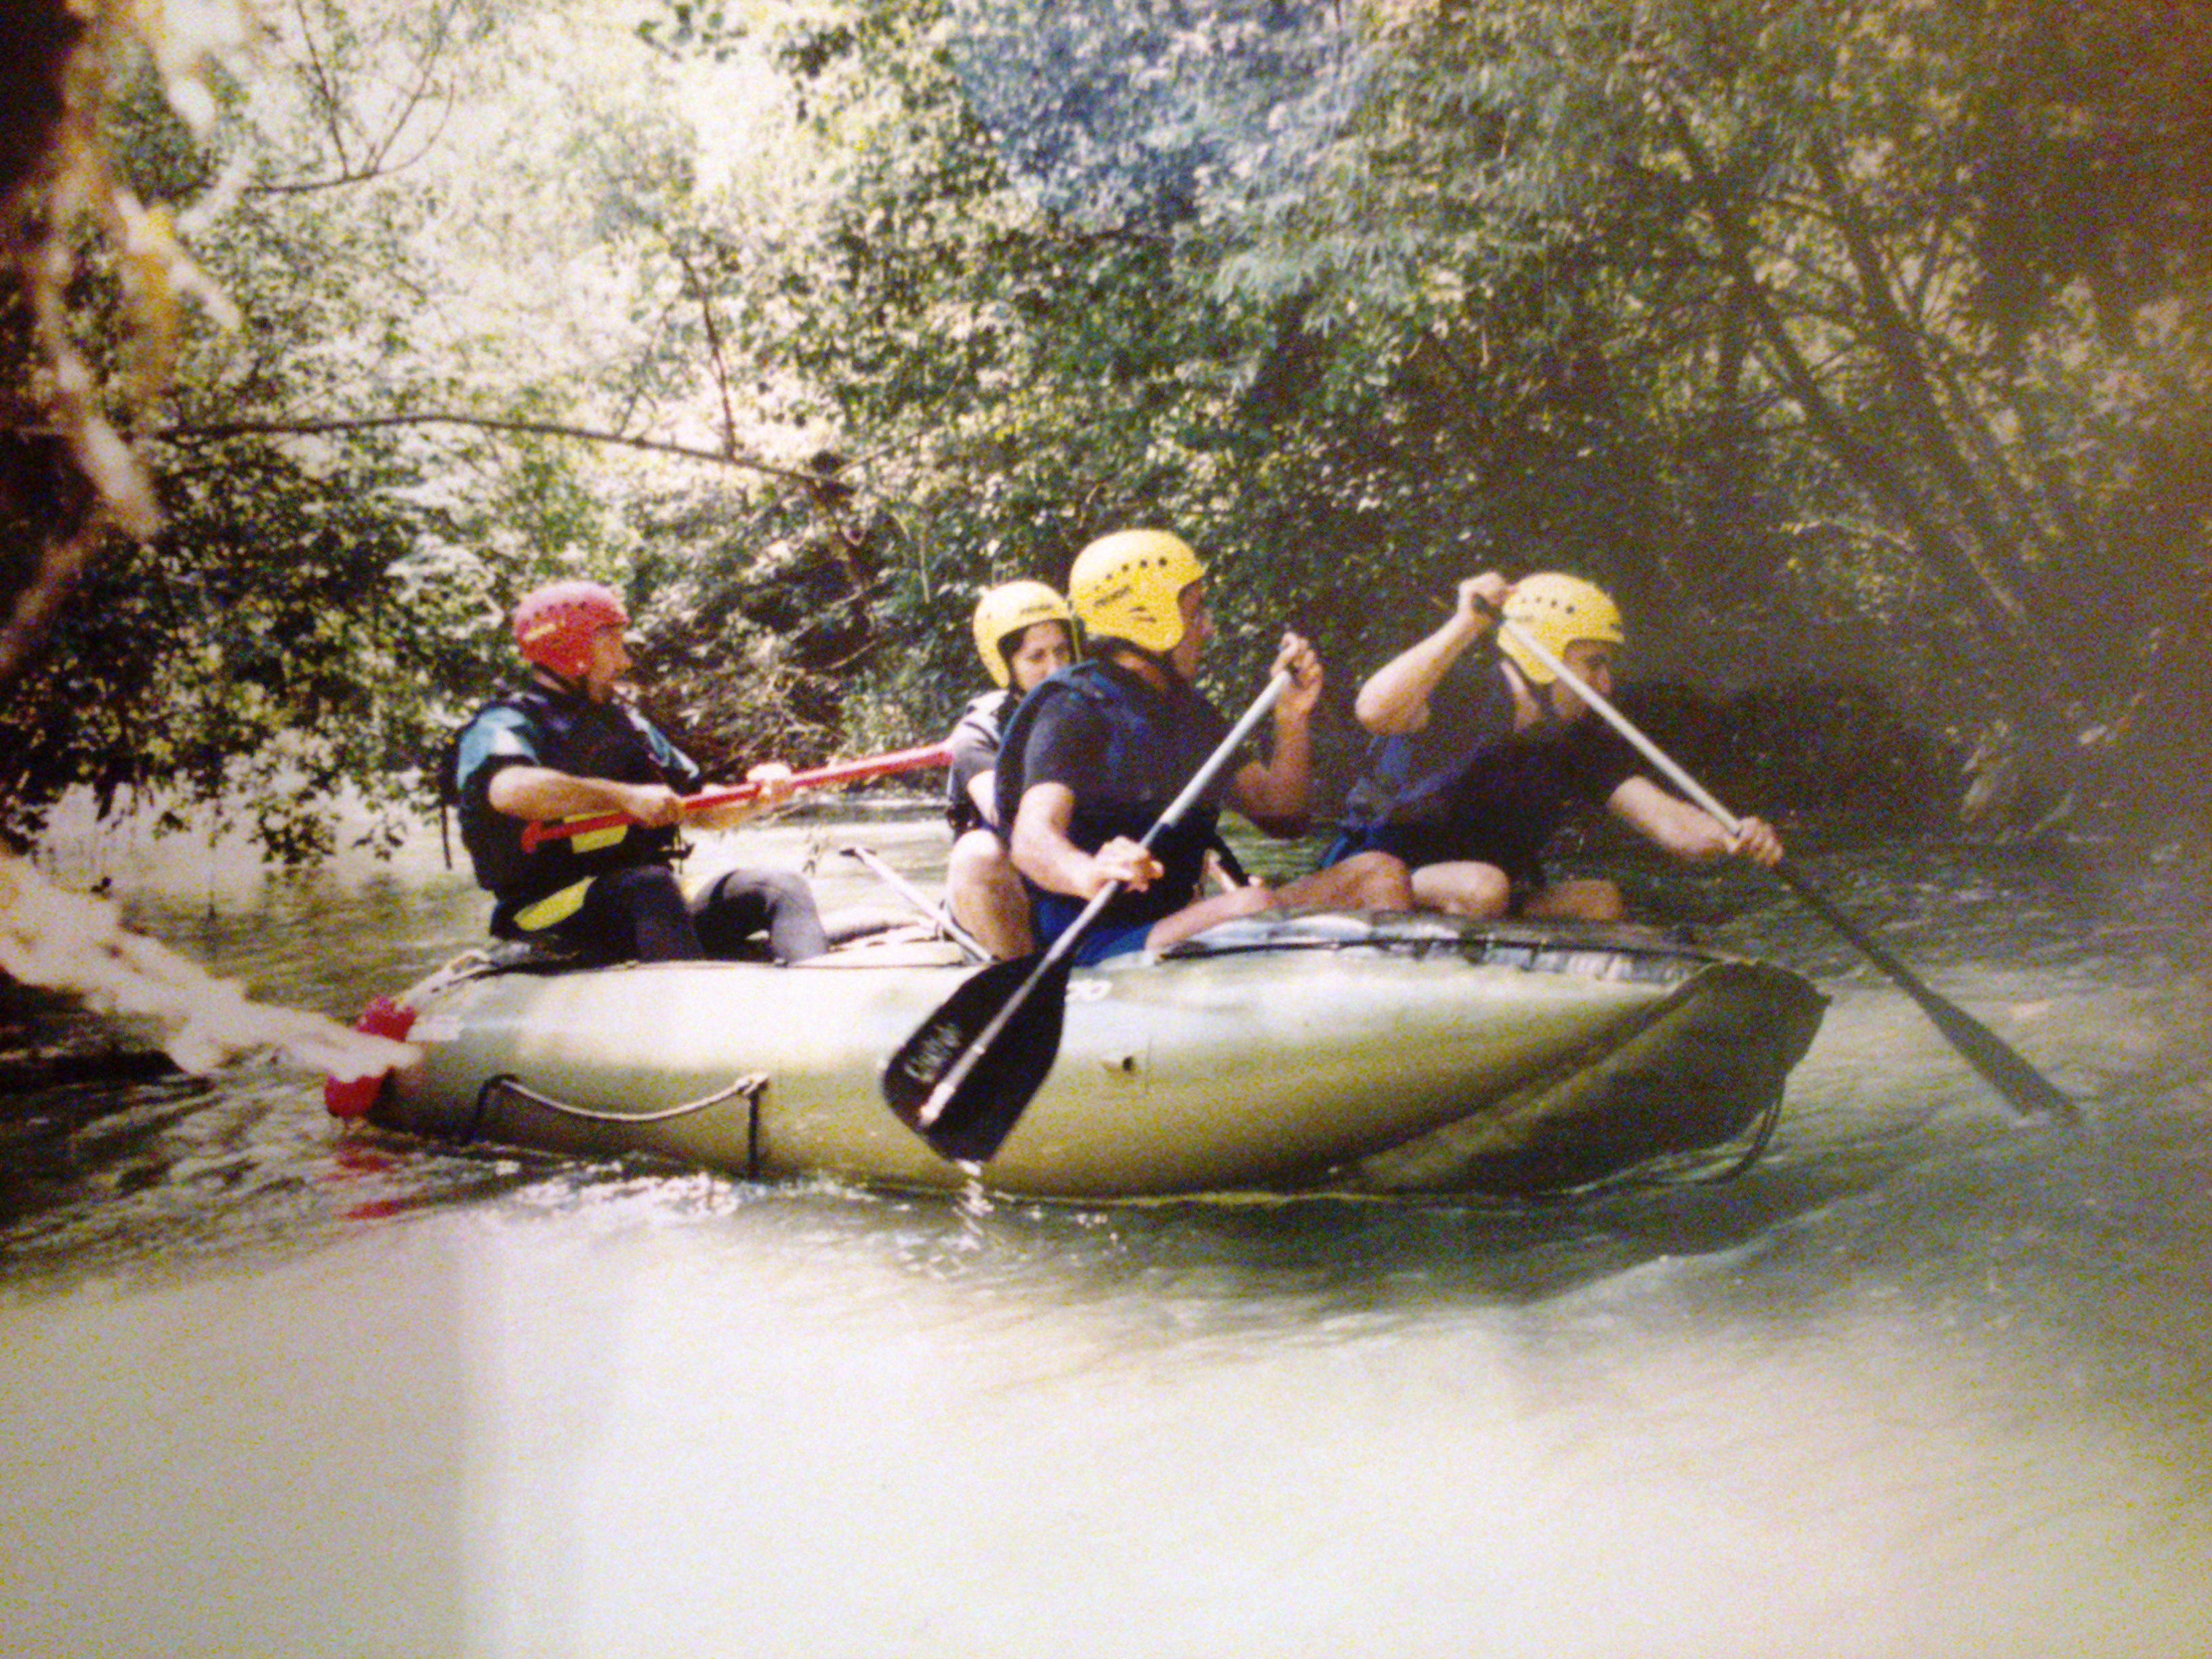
<point>986,896</point>
<point>1576,901</point>
<point>1465,888</point>
<point>1370,881</point>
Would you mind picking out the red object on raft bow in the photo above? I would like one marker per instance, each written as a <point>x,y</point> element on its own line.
<point>352,1097</point>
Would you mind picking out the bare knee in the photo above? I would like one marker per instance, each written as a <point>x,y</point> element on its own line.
<point>1479,893</point>
<point>986,896</point>
<point>1579,900</point>
<point>975,857</point>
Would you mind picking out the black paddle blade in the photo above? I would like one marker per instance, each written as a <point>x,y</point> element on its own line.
<point>987,1101</point>
<point>2024,1088</point>
<point>2002,1067</point>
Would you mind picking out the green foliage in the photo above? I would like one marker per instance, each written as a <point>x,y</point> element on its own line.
<point>1018,384</point>
<point>1866,343</point>
<point>1828,338</point>
<point>327,597</point>
<point>250,658</point>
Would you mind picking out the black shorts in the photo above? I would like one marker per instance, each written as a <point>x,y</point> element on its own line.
<point>1420,844</point>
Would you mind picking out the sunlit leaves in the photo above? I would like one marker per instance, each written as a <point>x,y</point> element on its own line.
<point>1360,296</point>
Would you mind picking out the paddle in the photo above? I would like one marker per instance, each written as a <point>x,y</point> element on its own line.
<point>961,1080</point>
<point>851,771</point>
<point>2024,1088</point>
<point>939,914</point>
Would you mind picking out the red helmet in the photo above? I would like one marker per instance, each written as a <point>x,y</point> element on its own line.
<point>554,624</point>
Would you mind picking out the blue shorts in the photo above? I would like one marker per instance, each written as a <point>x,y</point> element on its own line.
<point>1056,914</point>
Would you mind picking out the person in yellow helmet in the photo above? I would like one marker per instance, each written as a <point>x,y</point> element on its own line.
<point>1097,752</point>
<point>1477,759</point>
<point>1024,633</point>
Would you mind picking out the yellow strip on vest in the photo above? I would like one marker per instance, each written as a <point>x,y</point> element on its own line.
<point>596,841</point>
<point>554,906</point>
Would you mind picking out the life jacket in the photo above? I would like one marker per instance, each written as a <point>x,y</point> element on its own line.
<point>1415,777</point>
<point>563,732</point>
<point>1155,743</point>
<point>1469,786</point>
<point>976,740</point>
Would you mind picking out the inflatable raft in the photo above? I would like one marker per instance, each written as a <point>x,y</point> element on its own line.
<point>1288,1052</point>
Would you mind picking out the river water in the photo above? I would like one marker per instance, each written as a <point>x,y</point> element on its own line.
<point>1926,1380</point>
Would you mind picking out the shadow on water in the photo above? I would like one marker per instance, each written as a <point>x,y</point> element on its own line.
<point>1345,1255</point>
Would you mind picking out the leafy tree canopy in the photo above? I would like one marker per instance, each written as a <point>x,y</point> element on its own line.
<point>1846,342</point>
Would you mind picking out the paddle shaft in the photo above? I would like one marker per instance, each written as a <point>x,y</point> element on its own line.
<point>536,834</point>
<point>2020,1083</point>
<point>939,914</point>
<point>1062,947</point>
<point>1706,799</point>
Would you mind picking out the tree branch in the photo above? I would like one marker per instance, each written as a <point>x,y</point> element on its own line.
<point>376,161</point>
<point>1896,339</point>
<point>1984,591</point>
<point>718,362</point>
<point>326,92</point>
<point>212,432</point>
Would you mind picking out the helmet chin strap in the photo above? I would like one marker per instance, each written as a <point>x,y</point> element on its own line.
<point>1163,660</point>
<point>580,686</point>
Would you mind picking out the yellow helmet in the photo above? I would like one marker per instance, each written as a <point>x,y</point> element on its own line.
<point>1559,609</point>
<point>1126,586</point>
<point>1004,611</point>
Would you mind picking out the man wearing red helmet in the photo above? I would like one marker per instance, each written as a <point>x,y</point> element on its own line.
<point>562,746</point>
<point>1477,759</point>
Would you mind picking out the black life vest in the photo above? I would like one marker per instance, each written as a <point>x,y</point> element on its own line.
<point>1155,743</point>
<point>1471,786</point>
<point>565,733</point>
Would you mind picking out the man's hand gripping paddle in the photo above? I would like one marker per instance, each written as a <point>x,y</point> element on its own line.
<point>2024,1088</point>
<point>964,1079</point>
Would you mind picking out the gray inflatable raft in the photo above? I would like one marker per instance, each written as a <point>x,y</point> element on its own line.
<point>1291,1051</point>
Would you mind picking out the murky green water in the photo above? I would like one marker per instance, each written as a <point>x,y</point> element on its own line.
<point>1926,1380</point>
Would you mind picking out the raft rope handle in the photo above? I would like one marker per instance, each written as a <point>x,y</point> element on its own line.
<point>1762,1133</point>
<point>752,1086</point>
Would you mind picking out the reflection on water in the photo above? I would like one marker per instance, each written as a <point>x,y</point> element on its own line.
<point>1924,1381</point>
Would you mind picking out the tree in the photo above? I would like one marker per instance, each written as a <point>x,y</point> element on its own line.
<point>1738,309</point>
<point>1006,378</point>
<point>1832,336</point>
<point>70,479</point>
<point>1876,314</point>
<point>325,536</point>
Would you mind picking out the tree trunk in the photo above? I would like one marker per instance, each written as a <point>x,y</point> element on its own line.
<point>1973,574</point>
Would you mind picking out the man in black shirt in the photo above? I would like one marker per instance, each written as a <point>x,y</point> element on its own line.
<point>1478,759</point>
<point>1098,750</point>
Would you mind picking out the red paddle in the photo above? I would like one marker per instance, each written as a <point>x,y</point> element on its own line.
<point>851,771</point>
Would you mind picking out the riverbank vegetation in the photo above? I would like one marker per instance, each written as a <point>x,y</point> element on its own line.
<point>1860,349</point>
